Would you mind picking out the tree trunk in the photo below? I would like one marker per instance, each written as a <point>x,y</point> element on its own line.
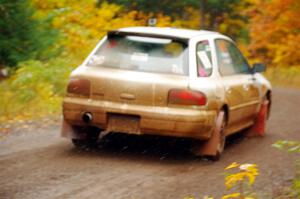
<point>202,14</point>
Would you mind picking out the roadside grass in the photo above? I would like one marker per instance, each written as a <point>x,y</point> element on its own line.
<point>296,180</point>
<point>293,190</point>
<point>34,90</point>
<point>284,77</point>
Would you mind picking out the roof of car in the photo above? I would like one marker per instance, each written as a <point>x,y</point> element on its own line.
<point>167,31</point>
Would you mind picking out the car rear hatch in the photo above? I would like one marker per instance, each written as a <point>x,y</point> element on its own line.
<point>138,69</point>
<point>131,87</point>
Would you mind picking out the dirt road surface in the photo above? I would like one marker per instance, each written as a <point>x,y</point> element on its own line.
<point>37,163</point>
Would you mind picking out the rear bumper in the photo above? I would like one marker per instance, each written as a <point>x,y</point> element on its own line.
<point>165,121</point>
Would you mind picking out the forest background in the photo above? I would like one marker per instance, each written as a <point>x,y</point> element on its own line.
<point>42,41</point>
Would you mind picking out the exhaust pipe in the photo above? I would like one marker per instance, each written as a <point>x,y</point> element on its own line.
<point>87,117</point>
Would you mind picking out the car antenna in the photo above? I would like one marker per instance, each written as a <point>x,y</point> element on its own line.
<point>152,22</point>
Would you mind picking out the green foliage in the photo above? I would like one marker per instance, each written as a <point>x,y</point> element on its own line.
<point>171,8</point>
<point>22,36</point>
<point>284,77</point>
<point>242,179</point>
<point>35,89</point>
<point>296,186</point>
<point>290,146</point>
<point>296,183</point>
<point>224,16</point>
<point>174,7</point>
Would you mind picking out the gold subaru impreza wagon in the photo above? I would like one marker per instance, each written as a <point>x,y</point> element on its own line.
<point>168,82</point>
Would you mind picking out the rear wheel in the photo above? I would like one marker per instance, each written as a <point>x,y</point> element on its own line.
<point>222,140</point>
<point>89,138</point>
<point>214,147</point>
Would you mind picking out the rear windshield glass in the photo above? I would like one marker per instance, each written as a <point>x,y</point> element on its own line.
<point>147,54</point>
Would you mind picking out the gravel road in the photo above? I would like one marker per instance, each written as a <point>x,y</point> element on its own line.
<point>36,163</point>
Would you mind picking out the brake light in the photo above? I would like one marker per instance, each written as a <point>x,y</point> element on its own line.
<point>186,97</point>
<point>79,87</point>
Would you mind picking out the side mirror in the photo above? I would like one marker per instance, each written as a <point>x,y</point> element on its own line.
<point>258,68</point>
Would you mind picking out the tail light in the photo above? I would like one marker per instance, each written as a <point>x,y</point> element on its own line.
<point>79,87</point>
<point>186,97</point>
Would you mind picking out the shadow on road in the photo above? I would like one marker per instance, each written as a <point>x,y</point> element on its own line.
<point>152,148</point>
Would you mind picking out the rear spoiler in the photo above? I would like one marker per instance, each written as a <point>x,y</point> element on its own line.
<point>116,33</point>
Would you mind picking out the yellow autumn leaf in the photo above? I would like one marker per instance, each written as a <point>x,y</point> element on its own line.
<point>231,196</point>
<point>233,179</point>
<point>232,165</point>
<point>208,197</point>
<point>251,178</point>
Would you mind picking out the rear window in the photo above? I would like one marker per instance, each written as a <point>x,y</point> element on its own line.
<point>147,54</point>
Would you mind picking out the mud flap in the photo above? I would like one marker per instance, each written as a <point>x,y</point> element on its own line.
<point>259,127</point>
<point>210,147</point>
<point>68,131</point>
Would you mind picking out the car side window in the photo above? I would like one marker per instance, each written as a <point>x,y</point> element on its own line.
<point>240,63</point>
<point>230,59</point>
<point>225,61</point>
<point>204,60</point>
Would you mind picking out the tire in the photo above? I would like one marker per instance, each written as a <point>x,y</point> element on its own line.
<point>83,143</point>
<point>222,141</point>
<point>90,140</point>
<point>220,145</point>
<point>214,147</point>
